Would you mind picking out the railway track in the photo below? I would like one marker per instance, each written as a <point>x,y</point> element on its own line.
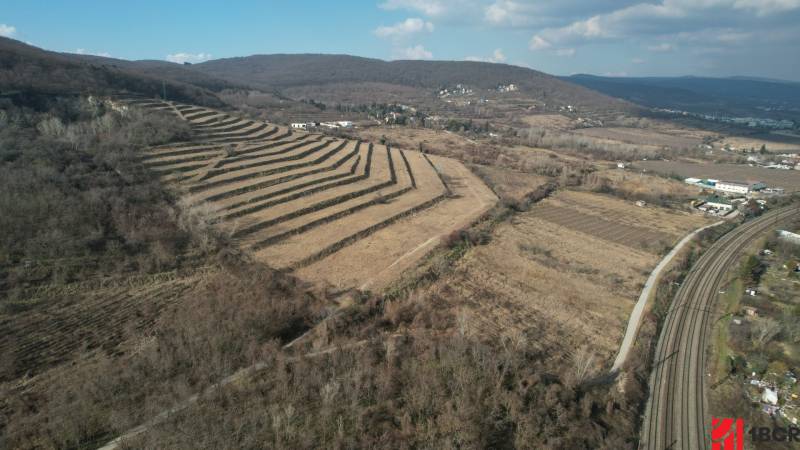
<point>676,415</point>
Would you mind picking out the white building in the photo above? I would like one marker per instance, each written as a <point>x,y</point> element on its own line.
<point>733,187</point>
<point>298,125</point>
<point>769,396</point>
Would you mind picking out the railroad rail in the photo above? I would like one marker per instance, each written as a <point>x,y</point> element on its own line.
<point>677,408</point>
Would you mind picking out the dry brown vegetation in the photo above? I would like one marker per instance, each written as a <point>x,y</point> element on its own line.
<point>645,136</point>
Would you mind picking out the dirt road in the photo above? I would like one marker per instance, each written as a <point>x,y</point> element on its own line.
<point>638,309</point>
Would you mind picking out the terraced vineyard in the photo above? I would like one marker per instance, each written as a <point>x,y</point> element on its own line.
<point>296,198</point>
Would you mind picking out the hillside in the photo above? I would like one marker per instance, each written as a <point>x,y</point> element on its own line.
<point>27,70</point>
<point>269,72</point>
<point>730,96</point>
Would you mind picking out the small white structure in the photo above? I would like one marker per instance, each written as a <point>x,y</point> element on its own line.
<point>641,203</point>
<point>769,396</point>
<point>621,165</point>
<point>345,124</point>
<point>298,125</point>
<point>789,236</point>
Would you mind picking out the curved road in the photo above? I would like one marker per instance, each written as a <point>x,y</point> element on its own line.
<point>676,415</point>
<point>636,315</point>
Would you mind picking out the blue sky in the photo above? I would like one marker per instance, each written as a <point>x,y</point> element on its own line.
<point>606,37</point>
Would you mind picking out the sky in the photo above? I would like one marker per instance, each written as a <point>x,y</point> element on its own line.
<point>561,37</point>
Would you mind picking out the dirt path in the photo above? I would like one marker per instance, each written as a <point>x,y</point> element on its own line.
<point>636,315</point>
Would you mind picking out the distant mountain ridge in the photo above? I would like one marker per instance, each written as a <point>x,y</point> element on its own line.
<point>740,96</point>
<point>286,71</point>
<point>28,71</point>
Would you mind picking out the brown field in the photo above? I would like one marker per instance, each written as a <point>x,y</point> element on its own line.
<point>551,121</point>
<point>787,179</point>
<point>297,200</point>
<point>642,185</point>
<point>645,136</point>
<point>507,183</point>
<point>565,274</point>
<point>775,142</point>
<point>62,323</point>
<point>419,233</point>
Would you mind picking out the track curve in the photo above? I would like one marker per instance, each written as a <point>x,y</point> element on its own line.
<point>675,415</point>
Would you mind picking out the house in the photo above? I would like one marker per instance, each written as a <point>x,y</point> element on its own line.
<point>750,311</point>
<point>751,292</point>
<point>770,396</point>
<point>621,165</point>
<point>298,125</point>
<point>717,202</point>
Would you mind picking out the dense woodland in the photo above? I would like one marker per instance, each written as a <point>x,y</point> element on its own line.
<point>76,202</point>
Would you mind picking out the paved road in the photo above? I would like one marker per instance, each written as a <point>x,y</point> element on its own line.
<point>638,309</point>
<point>677,415</point>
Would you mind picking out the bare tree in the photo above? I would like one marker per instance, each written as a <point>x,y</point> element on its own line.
<point>582,364</point>
<point>764,330</point>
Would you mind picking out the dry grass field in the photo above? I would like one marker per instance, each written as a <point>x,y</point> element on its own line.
<point>642,185</point>
<point>550,121</point>
<point>71,320</point>
<point>787,179</point>
<point>507,183</point>
<point>564,275</point>
<point>775,142</point>
<point>347,211</point>
<point>418,233</point>
<point>645,136</point>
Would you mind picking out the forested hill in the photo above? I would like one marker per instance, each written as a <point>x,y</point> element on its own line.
<point>284,71</point>
<point>29,71</point>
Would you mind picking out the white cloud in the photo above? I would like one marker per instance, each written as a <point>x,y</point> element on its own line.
<point>616,74</point>
<point>7,30</point>
<point>661,48</point>
<point>664,18</point>
<point>539,43</point>
<point>497,57</point>
<point>507,12</point>
<point>570,52</point>
<point>429,8</point>
<point>638,60</point>
<point>415,52</point>
<point>82,51</point>
<point>181,58</point>
<point>404,29</point>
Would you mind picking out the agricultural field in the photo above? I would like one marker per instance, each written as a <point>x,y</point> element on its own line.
<point>645,136</point>
<point>297,199</point>
<point>565,274</point>
<point>507,183</point>
<point>64,322</point>
<point>787,179</point>
<point>774,142</point>
<point>550,121</point>
<point>642,186</point>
